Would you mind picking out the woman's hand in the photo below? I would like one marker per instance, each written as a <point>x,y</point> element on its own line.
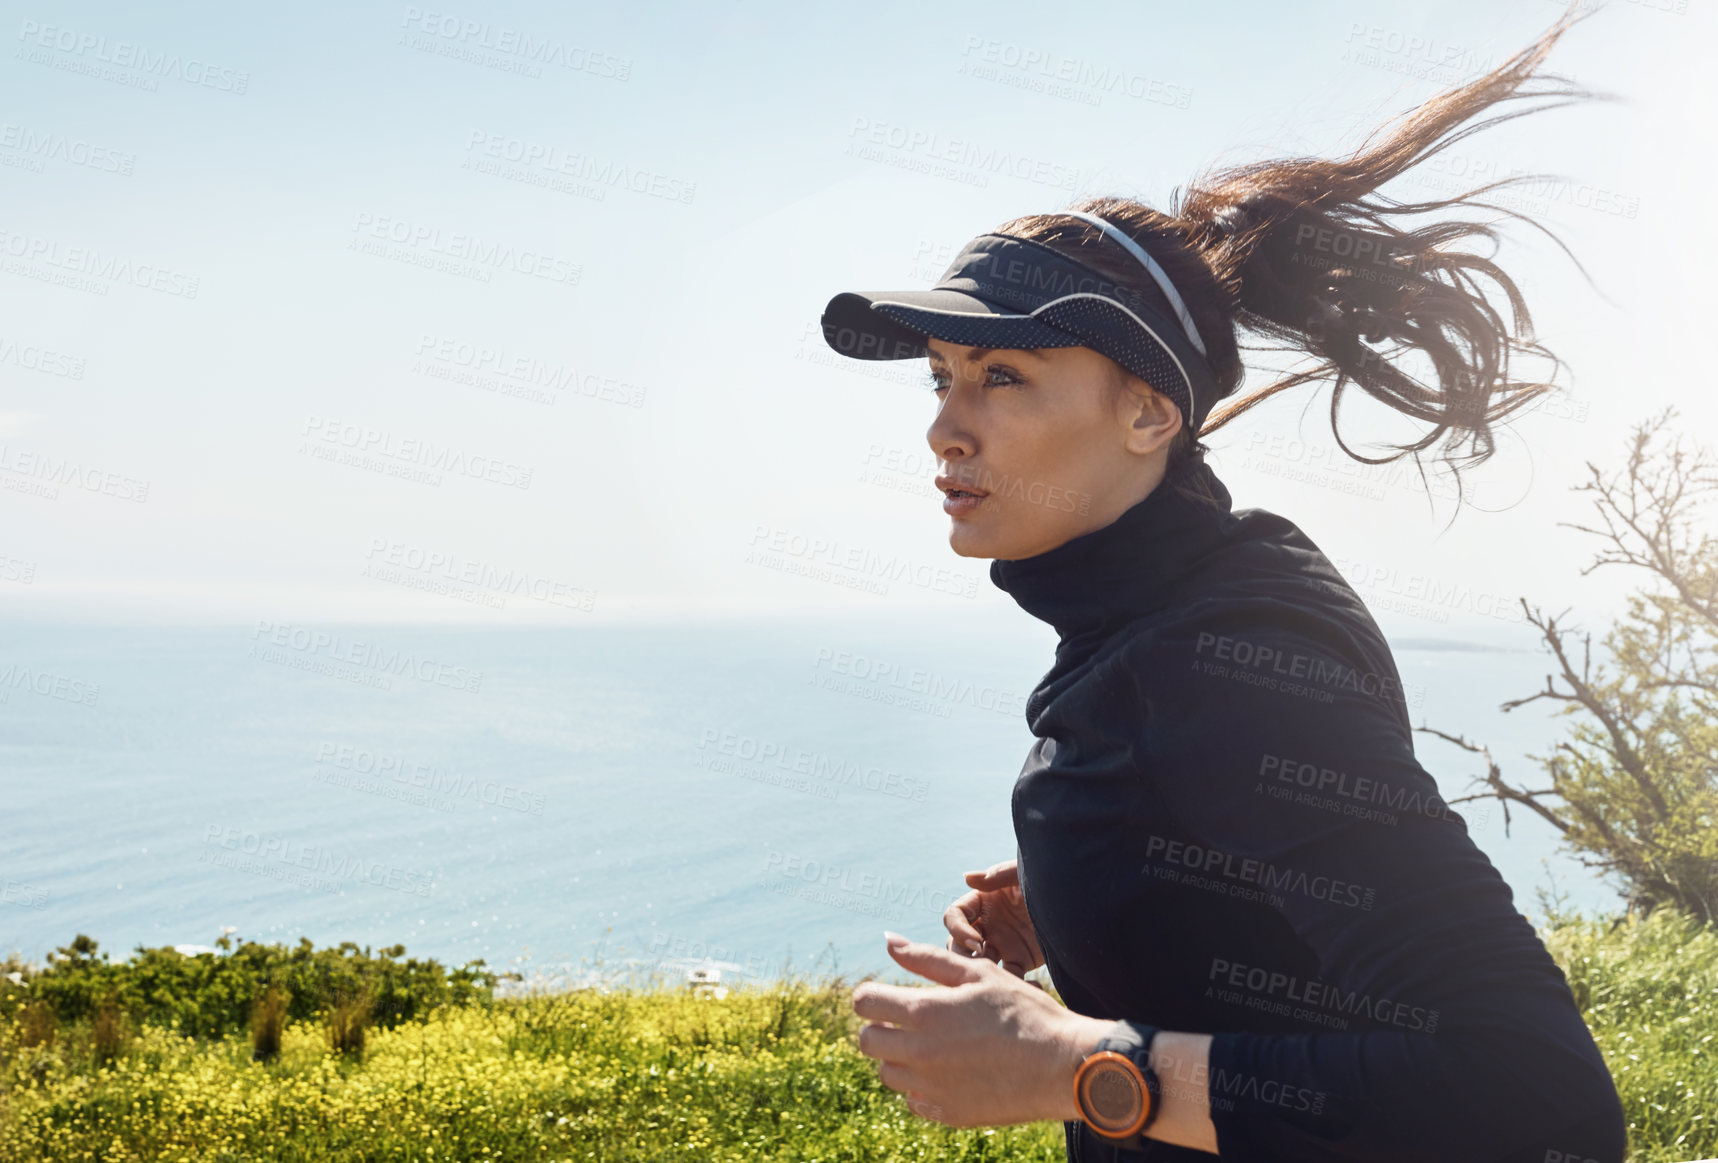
<point>991,921</point>
<point>992,1050</point>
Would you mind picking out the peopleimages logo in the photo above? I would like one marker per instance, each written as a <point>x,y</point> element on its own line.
<point>1313,1000</point>
<point>1258,660</point>
<point>16,569</point>
<point>87,260</point>
<point>853,566</point>
<point>323,652</point>
<point>378,231</point>
<point>41,145</point>
<point>677,948</point>
<point>936,153</point>
<point>363,761</point>
<point>432,565</point>
<point>14,677</point>
<point>19,892</point>
<point>126,55</point>
<point>1362,789</point>
<point>361,441</point>
<point>523,374</point>
<point>554,160</point>
<point>1457,172</point>
<point>767,753</point>
<point>881,673</point>
<point>44,467</point>
<point>264,852</point>
<point>31,357</point>
<point>835,880</point>
<point>1425,595</point>
<point>1206,862</point>
<point>527,46</point>
<point>1062,76</point>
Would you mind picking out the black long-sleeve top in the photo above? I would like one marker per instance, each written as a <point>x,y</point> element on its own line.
<point>1222,828</point>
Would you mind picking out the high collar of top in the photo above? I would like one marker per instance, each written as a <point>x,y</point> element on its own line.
<point>1091,585</point>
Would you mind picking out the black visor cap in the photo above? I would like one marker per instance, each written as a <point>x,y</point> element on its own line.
<point>987,298</point>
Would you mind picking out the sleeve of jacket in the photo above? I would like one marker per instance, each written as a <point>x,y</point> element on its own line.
<point>1280,742</point>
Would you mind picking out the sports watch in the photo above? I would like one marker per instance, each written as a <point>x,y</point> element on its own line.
<point>1117,1091</point>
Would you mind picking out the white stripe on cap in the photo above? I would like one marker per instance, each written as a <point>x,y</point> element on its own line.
<point>1151,266</point>
<point>1186,380</point>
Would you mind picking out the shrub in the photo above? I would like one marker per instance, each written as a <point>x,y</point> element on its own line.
<point>36,1025</point>
<point>761,1075</point>
<point>214,995</point>
<point>268,1022</point>
<point>347,1019</point>
<point>109,1030</point>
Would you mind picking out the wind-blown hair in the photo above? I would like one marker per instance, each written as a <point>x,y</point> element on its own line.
<point>1305,251</point>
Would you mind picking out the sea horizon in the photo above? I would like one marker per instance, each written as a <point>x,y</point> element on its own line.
<point>766,796</point>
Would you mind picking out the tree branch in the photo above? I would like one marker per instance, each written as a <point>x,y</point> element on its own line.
<point>1500,790</point>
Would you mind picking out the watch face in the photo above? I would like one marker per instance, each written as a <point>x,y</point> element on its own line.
<point>1112,1097</point>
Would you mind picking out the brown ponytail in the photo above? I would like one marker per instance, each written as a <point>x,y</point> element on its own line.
<point>1303,251</point>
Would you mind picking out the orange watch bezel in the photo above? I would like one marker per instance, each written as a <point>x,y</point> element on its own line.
<point>1086,1067</point>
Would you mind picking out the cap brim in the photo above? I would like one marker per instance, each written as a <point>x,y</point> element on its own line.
<point>896,324</point>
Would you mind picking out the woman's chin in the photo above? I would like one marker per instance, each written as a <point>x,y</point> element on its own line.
<point>969,537</point>
<point>967,541</point>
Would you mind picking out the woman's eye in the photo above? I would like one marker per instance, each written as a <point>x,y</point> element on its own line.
<point>937,381</point>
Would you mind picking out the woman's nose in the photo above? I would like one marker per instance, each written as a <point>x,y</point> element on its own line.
<point>950,434</point>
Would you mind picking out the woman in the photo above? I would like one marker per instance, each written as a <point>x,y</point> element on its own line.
<point>1273,940</point>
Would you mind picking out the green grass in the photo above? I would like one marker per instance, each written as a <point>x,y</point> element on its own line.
<point>647,1072</point>
<point>1649,992</point>
<point>643,1072</point>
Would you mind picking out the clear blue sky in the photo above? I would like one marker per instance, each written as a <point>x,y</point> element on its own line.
<point>645,208</point>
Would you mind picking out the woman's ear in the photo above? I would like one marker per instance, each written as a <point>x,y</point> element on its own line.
<point>1153,419</point>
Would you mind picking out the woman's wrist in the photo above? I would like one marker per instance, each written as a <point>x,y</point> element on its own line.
<point>1079,1036</point>
<point>1180,1061</point>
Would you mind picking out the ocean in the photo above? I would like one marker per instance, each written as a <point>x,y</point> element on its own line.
<point>571,803</point>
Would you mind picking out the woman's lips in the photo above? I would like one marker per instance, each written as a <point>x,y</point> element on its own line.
<point>958,500</point>
<point>959,504</point>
